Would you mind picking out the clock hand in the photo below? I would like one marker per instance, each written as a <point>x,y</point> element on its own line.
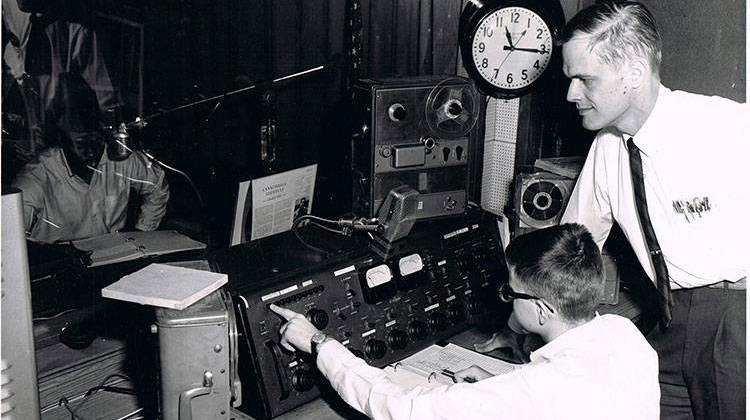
<point>510,40</point>
<point>534,50</point>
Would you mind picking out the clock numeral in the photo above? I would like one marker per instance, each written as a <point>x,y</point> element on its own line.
<point>524,74</point>
<point>539,32</point>
<point>487,32</point>
<point>498,21</point>
<point>536,64</point>
<point>543,48</point>
<point>514,17</point>
<point>497,72</point>
<point>481,47</point>
<point>528,23</point>
<point>509,79</point>
<point>485,63</point>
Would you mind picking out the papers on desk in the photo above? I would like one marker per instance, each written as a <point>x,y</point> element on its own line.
<point>424,368</point>
<point>117,247</point>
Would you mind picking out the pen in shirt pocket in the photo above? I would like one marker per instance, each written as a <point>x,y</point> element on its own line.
<point>452,375</point>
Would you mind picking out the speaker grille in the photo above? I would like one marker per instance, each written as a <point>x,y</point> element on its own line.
<point>501,123</point>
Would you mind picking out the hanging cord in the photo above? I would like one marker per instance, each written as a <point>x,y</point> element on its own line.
<point>164,165</point>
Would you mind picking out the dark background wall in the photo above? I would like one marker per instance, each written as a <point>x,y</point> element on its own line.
<point>173,53</point>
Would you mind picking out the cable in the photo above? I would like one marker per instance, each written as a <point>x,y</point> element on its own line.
<point>190,181</point>
<point>101,387</point>
<point>47,318</point>
<point>164,165</point>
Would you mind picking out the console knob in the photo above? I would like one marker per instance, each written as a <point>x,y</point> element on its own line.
<point>397,339</point>
<point>417,330</point>
<point>375,349</point>
<point>303,380</point>
<point>318,317</point>
<point>438,321</point>
<point>472,306</point>
<point>456,313</point>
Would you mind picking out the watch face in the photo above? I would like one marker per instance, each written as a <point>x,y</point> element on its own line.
<point>511,47</point>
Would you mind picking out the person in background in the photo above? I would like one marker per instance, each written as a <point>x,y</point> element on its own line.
<point>591,367</point>
<point>669,167</point>
<point>42,40</point>
<point>77,190</point>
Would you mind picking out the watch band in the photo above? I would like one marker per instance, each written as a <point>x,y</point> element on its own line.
<point>316,341</point>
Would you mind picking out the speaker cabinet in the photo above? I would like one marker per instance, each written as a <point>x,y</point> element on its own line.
<point>540,200</point>
<point>415,132</point>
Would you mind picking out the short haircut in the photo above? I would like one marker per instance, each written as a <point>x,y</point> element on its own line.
<point>619,30</point>
<point>561,264</point>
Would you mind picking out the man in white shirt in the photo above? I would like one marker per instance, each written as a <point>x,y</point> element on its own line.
<point>592,367</point>
<point>693,150</point>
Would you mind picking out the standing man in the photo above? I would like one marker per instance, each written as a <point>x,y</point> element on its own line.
<point>667,166</point>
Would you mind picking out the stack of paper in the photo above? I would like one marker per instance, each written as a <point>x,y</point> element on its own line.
<point>166,286</point>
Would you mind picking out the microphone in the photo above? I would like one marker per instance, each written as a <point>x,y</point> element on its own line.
<point>118,145</point>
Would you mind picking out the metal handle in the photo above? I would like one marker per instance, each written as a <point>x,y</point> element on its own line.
<point>186,397</point>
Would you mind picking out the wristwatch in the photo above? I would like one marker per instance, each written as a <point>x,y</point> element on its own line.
<point>316,340</point>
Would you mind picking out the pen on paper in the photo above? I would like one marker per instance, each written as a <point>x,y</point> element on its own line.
<point>452,375</point>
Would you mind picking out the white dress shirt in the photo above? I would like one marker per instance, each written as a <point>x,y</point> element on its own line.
<point>603,369</point>
<point>694,152</point>
<point>60,206</point>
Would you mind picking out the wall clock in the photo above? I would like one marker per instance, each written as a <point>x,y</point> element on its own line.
<point>507,46</point>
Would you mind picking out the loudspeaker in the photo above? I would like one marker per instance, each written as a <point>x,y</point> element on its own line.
<point>540,200</point>
<point>415,132</point>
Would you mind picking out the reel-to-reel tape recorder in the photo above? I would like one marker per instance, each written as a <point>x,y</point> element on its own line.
<point>417,132</point>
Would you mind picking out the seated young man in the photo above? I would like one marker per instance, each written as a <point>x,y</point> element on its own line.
<point>75,190</point>
<point>591,367</point>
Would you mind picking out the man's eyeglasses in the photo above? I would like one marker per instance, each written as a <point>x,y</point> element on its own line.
<point>507,294</point>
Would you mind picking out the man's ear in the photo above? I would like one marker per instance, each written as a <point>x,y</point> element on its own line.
<point>638,70</point>
<point>543,312</point>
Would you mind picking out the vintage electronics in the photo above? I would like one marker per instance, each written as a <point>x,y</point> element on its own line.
<point>442,281</point>
<point>540,200</point>
<point>19,376</point>
<point>413,131</point>
<point>198,359</point>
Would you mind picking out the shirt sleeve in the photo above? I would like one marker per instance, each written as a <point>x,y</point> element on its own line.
<point>589,202</point>
<point>370,391</point>
<point>33,195</point>
<point>148,180</point>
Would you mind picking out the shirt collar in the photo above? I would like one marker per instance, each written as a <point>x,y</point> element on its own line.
<point>573,338</point>
<point>649,135</point>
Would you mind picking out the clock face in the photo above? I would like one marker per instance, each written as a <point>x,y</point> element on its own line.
<point>511,48</point>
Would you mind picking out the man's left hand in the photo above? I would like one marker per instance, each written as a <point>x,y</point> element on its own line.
<point>296,332</point>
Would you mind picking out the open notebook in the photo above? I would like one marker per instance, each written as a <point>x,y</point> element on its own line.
<point>116,247</point>
<point>425,367</point>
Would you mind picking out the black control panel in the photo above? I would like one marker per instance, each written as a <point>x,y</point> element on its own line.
<point>442,281</point>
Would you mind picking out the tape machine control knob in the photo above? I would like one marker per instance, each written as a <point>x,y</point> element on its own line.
<point>318,317</point>
<point>396,112</point>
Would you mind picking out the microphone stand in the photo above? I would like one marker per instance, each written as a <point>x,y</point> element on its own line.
<point>141,122</point>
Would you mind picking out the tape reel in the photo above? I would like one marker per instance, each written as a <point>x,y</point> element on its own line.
<point>452,108</point>
<point>541,199</point>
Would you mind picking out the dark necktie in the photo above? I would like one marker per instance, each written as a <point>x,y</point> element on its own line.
<point>657,258</point>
